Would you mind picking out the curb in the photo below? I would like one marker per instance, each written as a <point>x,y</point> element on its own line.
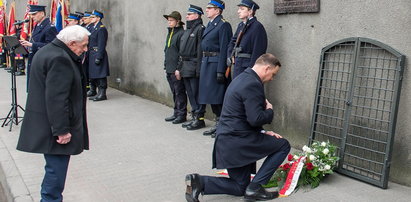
<point>10,178</point>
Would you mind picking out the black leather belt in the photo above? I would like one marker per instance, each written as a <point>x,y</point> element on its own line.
<point>210,54</point>
<point>243,55</point>
<point>187,59</point>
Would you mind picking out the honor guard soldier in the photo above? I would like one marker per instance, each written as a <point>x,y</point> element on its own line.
<point>73,19</point>
<point>191,54</point>
<point>87,21</point>
<point>81,15</point>
<point>216,37</point>
<point>19,59</point>
<point>249,41</point>
<point>43,33</point>
<point>171,60</point>
<point>98,58</point>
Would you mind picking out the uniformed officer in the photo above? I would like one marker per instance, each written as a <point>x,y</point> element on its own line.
<point>191,54</point>
<point>97,56</point>
<point>241,140</point>
<point>81,15</point>
<point>171,60</point>
<point>73,19</point>
<point>87,22</point>
<point>249,41</point>
<point>43,33</point>
<point>216,38</point>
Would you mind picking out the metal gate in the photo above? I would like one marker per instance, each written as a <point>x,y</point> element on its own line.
<point>356,105</point>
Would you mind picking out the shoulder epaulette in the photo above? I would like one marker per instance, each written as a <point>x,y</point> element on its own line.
<point>102,26</point>
<point>224,20</point>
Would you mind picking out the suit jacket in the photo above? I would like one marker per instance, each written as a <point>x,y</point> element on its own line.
<point>253,42</point>
<point>56,103</point>
<point>239,140</point>
<point>97,50</point>
<point>216,37</point>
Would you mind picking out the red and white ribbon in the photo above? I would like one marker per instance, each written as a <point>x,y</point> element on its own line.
<point>292,177</point>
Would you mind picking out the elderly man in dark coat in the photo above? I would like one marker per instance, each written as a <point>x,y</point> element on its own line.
<point>241,140</point>
<point>54,123</point>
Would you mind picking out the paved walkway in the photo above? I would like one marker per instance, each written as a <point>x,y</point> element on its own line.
<point>136,156</point>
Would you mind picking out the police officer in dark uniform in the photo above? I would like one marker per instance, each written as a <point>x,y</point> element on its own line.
<point>241,140</point>
<point>191,54</point>
<point>97,56</point>
<point>253,40</point>
<point>81,15</point>
<point>216,38</point>
<point>73,19</point>
<point>43,33</point>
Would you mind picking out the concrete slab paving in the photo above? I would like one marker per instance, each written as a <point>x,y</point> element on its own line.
<point>136,156</point>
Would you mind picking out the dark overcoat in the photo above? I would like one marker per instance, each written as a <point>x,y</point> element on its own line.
<point>239,140</point>
<point>253,42</point>
<point>216,38</point>
<point>56,103</point>
<point>42,34</point>
<point>97,50</point>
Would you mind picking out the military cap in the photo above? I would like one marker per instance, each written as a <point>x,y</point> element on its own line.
<point>195,9</point>
<point>73,16</point>
<point>97,13</point>
<point>36,8</point>
<point>249,4</point>
<point>80,14</point>
<point>216,4</point>
<point>87,14</point>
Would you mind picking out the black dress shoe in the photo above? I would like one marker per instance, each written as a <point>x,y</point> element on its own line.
<point>180,119</point>
<point>186,124</point>
<point>259,194</point>
<point>170,118</point>
<point>197,124</point>
<point>194,187</point>
<point>211,131</point>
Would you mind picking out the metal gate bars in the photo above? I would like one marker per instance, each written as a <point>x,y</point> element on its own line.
<point>356,105</point>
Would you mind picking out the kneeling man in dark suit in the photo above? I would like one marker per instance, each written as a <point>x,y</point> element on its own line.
<point>54,123</point>
<point>241,140</point>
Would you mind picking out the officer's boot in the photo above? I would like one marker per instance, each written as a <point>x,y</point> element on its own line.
<point>186,124</point>
<point>213,129</point>
<point>92,92</point>
<point>101,94</point>
<point>197,123</point>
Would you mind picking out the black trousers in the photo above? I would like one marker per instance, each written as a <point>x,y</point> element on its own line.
<point>192,84</point>
<point>178,90</point>
<point>240,177</point>
<point>100,82</point>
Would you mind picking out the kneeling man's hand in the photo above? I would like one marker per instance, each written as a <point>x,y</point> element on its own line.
<point>271,133</point>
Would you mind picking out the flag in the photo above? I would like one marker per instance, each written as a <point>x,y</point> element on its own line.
<point>53,11</point>
<point>28,27</point>
<point>11,29</point>
<point>61,14</point>
<point>2,23</point>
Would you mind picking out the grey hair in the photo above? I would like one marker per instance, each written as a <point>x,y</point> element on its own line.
<point>73,33</point>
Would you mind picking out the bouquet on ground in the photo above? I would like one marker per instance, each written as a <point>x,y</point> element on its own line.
<point>309,166</point>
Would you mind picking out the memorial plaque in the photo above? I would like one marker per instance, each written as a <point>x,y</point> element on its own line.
<point>296,6</point>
